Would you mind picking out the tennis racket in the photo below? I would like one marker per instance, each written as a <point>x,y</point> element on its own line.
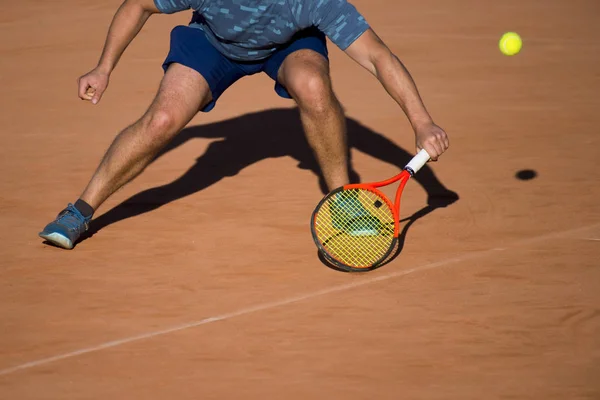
<point>356,227</point>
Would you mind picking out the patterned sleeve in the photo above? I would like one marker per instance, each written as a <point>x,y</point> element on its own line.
<point>173,6</point>
<point>339,20</point>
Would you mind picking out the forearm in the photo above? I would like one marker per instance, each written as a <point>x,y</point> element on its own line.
<point>126,24</point>
<point>400,85</point>
<point>371,53</point>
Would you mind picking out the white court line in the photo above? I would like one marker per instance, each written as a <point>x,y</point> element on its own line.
<point>291,300</point>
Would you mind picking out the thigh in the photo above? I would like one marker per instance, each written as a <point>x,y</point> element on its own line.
<point>308,49</point>
<point>191,48</point>
<point>304,70</point>
<point>182,92</point>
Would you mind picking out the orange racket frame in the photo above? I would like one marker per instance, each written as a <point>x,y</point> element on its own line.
<point>415,164</point>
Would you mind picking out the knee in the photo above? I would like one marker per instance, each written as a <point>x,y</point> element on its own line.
<point>311,89</point>
<point>159,124</point>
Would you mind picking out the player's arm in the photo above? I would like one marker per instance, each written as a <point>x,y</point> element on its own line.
<point>126,24</point>
<point>129,20</point>
<point>370,52</point>
<point>348,29</point>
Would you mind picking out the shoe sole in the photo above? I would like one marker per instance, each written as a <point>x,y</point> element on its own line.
<point>58,240</point>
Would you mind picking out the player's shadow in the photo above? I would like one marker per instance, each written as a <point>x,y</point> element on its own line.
<point>250,138</point>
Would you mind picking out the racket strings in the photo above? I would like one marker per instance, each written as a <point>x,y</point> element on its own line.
<point>355,227</point>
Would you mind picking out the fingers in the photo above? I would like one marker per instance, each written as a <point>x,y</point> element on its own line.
<point>434,142</point>
<point>91,88</point>
<point>88,92</point>
<point>446,141</point>
<point>434,149</point>
<point>85,90</point>
<point>96,96</point>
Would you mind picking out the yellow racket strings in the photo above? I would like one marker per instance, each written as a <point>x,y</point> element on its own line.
<point>356,227</point>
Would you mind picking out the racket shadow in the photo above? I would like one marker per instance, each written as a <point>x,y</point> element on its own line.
<point>408,222</point>
<point>245,140</point>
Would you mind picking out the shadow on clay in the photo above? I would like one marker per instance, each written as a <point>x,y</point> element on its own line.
<point>253,137</point>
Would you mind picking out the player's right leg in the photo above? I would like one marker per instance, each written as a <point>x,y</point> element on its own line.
<point>196,74</point>
<point>181,94</point>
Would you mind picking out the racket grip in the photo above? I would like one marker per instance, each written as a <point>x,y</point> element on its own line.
<point>417,162</point>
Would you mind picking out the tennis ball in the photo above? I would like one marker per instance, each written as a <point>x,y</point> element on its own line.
<point>510,44</point>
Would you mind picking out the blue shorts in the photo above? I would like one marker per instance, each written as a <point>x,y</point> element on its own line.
<point>190,47</point>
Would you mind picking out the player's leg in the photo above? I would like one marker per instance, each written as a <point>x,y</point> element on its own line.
<point>305,75</point>
<point>195,76</point>
<point>301,71</point>
<point>182,92</point>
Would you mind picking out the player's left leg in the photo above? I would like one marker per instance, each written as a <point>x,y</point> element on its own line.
<point>305,75</point>
<point>301,72</point>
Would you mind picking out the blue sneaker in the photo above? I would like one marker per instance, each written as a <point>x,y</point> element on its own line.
<point>66,228</point>
<point>349,215</point>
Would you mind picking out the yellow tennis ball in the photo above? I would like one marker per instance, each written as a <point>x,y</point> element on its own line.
<point>510,44</point>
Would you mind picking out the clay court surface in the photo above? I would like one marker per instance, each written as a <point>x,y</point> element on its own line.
<point>200,279</point>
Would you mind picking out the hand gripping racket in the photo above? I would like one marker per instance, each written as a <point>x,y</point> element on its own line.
<point>356,226</point>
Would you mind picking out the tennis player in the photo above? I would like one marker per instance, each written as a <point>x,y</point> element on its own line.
<point>225,41</point>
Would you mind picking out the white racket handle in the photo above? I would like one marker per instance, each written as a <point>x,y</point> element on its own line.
<point>417,162</point>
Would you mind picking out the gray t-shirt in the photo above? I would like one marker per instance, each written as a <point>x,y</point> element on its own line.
<point>251,30</point>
